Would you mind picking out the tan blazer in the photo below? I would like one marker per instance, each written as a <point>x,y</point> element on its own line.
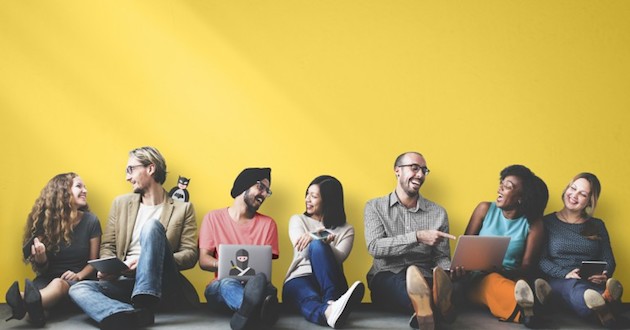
<point>178,218</point>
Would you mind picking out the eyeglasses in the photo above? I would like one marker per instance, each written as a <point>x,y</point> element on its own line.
<point>415,168</point>
<point>262,187</point>
<point>130,168</point>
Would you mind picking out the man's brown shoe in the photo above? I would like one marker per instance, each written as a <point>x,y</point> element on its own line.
<point>420,296</point>
<point>442,292</point>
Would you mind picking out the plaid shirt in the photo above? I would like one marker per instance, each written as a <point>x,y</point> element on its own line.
<point>390,234</point>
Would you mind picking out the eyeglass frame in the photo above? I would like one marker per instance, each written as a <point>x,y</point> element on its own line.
<point>261,186</point>
<point>425,170</point>
<point>130,168</point>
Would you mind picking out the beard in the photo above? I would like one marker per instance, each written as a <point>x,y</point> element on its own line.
<point>250,200</point>
<point>409,190</point>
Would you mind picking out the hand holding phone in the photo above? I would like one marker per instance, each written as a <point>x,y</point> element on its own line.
<point>322,234</point>
<point>26,248</point>
<point>38,252</point>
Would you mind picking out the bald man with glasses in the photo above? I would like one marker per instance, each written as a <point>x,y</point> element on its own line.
<point>408,237</point>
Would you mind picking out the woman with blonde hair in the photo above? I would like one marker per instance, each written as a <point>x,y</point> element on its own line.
<point>61,235</point>
<point>573,236</point>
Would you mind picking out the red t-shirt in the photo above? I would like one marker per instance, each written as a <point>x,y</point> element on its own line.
<point>219,228</point>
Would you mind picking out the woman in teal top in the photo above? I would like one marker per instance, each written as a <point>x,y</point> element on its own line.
<point>517,212</point>
<point>497,224</point>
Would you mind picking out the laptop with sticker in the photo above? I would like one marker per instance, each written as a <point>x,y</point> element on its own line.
<point>244,261</point>
<point>480,253</point>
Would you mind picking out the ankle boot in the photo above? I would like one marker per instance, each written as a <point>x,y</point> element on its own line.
<point>15,301</point>
<point>33,301</point>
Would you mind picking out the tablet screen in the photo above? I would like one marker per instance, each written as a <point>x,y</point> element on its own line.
<point>592,267</point>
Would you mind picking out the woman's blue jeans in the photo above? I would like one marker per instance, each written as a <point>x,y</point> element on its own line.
<point>156,273</point>
<point>571,291</point>
<point>310,294</point>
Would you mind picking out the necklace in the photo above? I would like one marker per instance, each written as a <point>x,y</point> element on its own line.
<point>565,219</point>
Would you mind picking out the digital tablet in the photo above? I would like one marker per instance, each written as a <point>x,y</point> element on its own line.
<point>592,267</point>
<point>109,265</point>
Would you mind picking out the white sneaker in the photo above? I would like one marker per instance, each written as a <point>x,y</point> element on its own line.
<point>341,308</point>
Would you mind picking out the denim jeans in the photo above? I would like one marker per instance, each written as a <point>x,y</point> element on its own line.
<point>226,294</point>
<point>310,294</point>
<point>389,291</point>
<point>571,292</point>
<point>156,273</point>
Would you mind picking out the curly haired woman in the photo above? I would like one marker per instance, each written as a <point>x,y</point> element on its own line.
<point>62,236</point>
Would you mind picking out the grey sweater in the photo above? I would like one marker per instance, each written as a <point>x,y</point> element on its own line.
<point>565,248</point>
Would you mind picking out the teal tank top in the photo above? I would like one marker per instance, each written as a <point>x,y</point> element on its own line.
<point>495,224</point>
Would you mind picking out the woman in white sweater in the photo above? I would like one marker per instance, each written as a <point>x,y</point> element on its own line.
<point>322,239</point>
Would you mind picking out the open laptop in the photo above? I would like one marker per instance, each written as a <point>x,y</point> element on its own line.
<point>244,261</point>
<point>475,252</point>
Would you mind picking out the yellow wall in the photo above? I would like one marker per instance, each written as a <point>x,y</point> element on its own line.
<point>310,88</point>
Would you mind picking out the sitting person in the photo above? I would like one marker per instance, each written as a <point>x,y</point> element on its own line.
<point>241,224</point>
<point>517,212</point>
<point>407,235</point>
<point>65,238</point>
<point>156,237</point>
<point>573,236</point>
<point>322,239</point>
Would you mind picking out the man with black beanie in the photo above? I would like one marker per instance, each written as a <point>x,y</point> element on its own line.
<point>241,224</point>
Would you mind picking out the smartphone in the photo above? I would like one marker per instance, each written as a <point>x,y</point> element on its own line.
<point>321,235</point>
<point>26,249</point>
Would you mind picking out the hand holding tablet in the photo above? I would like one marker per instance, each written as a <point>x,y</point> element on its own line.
<point>592,267</point>
<point>109,265</point>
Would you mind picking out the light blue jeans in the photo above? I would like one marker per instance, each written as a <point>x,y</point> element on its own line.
<point>227,294</point>
<point>156,273</point>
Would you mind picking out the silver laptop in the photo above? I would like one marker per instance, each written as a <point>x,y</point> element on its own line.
<point>244,261</point>
<point>475,252</point>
